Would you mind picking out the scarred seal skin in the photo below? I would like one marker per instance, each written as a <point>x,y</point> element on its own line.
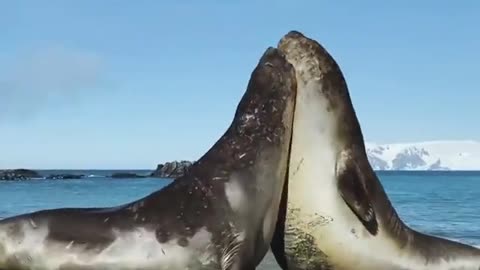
<point>220,215</point>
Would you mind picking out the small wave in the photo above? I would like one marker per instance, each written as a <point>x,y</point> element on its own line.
<point>96,176</point>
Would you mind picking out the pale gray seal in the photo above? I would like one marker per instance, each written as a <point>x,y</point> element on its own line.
<point>335,213</point>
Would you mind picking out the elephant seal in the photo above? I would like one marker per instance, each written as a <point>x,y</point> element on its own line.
<point>334,212</point>
<point>220,215</point>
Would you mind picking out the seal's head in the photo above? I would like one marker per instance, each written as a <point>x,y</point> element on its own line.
<point>266,108</point>
<point>315,67</point>
<point>263,119</point>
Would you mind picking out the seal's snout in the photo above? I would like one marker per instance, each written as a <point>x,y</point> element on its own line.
<point>290,41</point>
<point>310,59</point>
<point>300,52</point>
<point>273,57</point>
<point>294,35</point>
<point>271,51</point>
<point>274,69</point>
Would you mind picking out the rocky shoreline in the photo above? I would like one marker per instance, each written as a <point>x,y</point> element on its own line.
<point>172,169</point>
<point>19,174</point>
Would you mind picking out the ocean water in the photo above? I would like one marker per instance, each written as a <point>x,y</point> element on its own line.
<point>445,204</point>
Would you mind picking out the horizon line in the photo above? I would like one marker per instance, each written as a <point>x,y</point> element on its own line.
<point>63,169</point>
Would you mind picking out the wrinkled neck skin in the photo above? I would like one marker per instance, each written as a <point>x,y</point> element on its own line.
<point>334,197</point>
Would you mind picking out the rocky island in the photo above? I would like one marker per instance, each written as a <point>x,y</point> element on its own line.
<point>18,174</point>
<point>65,176</point>
<point>172,169</point>
<point>25,174</point>
<point>124,175</point>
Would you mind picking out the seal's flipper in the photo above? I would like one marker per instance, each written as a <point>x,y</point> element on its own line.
<point>353,189</point>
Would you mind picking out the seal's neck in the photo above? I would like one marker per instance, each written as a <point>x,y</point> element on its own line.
<point>435,252</point>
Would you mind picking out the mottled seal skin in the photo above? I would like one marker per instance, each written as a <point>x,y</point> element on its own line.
<point>334,212</point>
<point>220,215</point>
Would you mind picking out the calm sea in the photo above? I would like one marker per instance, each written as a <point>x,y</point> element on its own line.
<point>441,203</point>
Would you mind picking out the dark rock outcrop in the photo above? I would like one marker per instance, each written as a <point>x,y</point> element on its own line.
<point>123,175</point>
<point>65,176</point>
<point>172,169</point>
<point>18,174</point>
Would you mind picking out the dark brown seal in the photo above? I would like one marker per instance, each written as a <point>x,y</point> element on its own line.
<point>220,215</point>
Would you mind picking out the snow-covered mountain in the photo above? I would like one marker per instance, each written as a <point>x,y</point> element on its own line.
<point>432,155</point>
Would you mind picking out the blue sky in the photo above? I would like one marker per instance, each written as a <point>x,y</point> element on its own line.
<point>129,84</point>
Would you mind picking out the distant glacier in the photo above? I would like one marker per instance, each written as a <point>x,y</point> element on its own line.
<point>430,155</point>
